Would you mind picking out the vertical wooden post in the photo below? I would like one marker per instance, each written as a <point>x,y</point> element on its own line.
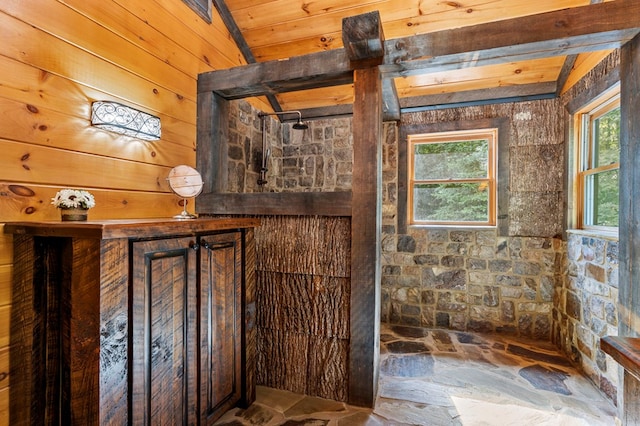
<point>365,237</point>
<point>629,229</point>
<point>213,136</point>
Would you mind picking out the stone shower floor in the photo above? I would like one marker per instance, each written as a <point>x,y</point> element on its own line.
<point>438,377</point>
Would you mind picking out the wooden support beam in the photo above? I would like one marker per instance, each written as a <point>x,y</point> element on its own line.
<point>238,38</point>
<point>362,36</point>
<point>365,237</point>
<point>322,69</point>
<point>276,203</point>
<point>629,257</point>
<point>212,137</point>
<point>567,66</point>
<point>561,32</point>
<point>390,101</point>
<point>472,96</point>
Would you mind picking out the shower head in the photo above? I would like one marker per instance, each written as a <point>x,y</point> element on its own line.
<point>300,125</point>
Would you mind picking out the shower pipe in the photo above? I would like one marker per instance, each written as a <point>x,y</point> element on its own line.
<point>266,152</point>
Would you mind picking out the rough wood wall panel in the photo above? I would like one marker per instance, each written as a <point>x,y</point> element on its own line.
<point>303,291</point>
<point>537,168</point>
<point>282,360</point>
<point>308,304</point>
<point>305,244</point>
<point>114,293</point>
<point>304,364</point>
<point>328,368</point>
<point>251,333</point>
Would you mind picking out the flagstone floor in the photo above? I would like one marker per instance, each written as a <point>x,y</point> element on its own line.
<point>443,378</point>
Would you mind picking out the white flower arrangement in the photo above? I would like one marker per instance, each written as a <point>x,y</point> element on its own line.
<point>73,199</point>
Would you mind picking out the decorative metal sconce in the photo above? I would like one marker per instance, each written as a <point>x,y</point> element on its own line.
<point>266,152</point>
<point>125,120</point>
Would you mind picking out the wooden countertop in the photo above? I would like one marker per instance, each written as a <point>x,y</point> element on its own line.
<point>128,228</point>
<point>625,351</point>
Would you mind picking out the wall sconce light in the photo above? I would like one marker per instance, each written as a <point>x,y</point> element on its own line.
<point>125,120</point>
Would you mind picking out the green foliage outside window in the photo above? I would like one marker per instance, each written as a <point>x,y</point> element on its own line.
<point>437,197</point>
<point>602,187</point>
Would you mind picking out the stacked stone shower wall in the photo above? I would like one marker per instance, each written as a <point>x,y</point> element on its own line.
<point>317,159</point>
<point>472,280</point>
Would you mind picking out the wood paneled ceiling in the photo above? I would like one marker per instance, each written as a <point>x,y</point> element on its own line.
<point>273,30</point>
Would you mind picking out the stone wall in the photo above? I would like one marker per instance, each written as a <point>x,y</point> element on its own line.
<point>473,278</point>
<point>316,159</point>
<point>586,307</point>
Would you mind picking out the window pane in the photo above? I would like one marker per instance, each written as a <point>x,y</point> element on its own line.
<point>453,202</point>
<point>606,132</point>
<point>602,208</point>
<point>451,160</point>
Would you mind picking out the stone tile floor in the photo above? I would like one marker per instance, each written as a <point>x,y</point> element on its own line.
<point>438,377</point>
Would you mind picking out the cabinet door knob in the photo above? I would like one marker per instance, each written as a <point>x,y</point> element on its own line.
<point>205,244</point>
<point>194,246</point>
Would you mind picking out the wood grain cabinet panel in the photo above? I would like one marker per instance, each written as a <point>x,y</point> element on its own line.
<point>220,319</point>
<point>145,323</point>
<point>164,332</point>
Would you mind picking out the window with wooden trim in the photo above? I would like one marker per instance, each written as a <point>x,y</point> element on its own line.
<point>452,178</point>
<point>599,164</point>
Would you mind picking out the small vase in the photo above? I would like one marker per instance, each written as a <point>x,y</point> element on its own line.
<point>74,215</point>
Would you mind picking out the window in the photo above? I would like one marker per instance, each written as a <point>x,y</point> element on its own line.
<point>599,164</point>
<point>201,7</point>
<point>452,178</point>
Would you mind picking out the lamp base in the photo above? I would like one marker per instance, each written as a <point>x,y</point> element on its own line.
<point>185,215</point>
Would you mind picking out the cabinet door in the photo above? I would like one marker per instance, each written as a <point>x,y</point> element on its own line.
<point>164,332</point>
<point>221,328</point>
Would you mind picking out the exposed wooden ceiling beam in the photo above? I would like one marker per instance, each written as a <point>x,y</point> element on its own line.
<point>473,97</point>
<point>520,92</point>
<point>242,44</point>
<point>568,31</point>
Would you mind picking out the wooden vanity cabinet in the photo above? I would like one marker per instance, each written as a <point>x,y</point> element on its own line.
<point>125,322</point>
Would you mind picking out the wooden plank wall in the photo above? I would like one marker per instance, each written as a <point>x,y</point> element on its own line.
<point>56,57</point>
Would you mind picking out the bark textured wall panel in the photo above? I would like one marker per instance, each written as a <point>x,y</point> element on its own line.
<point>303,290</point>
